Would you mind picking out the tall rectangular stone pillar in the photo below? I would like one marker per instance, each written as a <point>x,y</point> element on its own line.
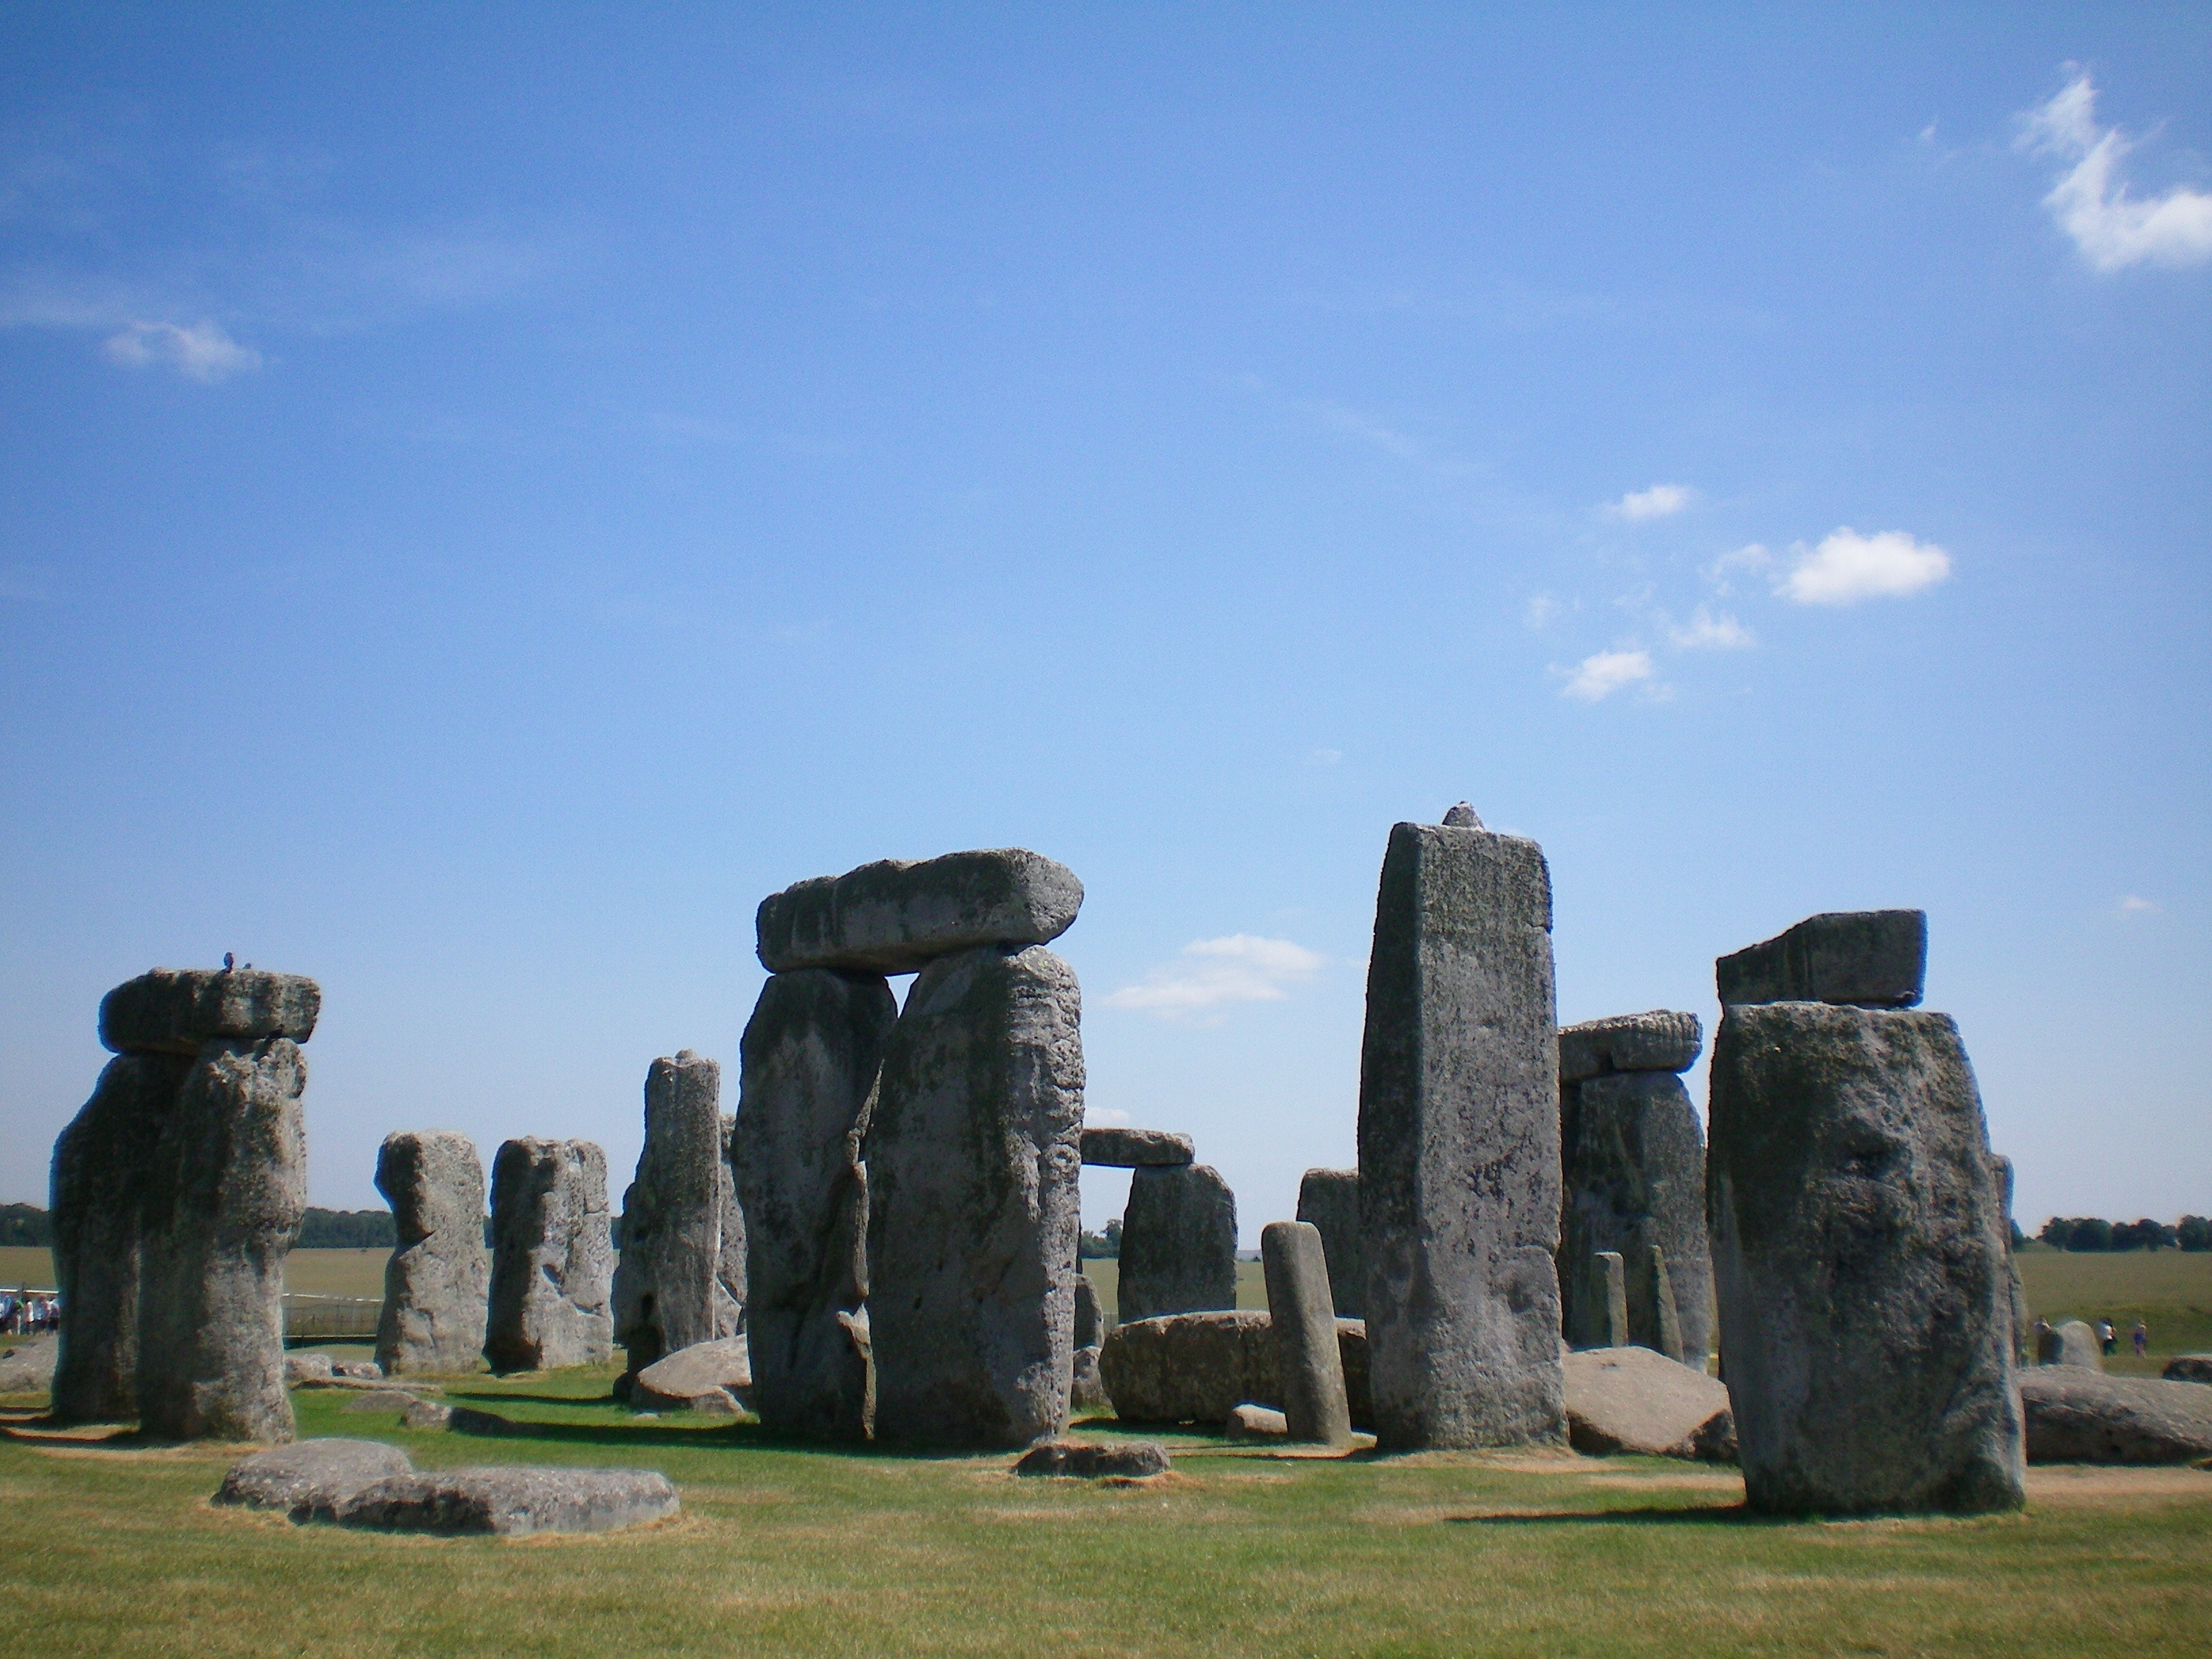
<point>668,1283</point>
<point>552,1250</point>
<point>1178,1242</point>
<point>437,1282</point>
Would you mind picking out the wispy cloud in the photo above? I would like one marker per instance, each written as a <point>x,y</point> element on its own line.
<point>1847,567</point>
<point>1541,608</point>
<point>1324,756</point>
<point>1212,973</point>
<point>2133,905</point>
<point>1660,502</point>
<point>2090,201</point>
<point>1709,632</point>
<point>202,352</point>
<point>1598,676</point>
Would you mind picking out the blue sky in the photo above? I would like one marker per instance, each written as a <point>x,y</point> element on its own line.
<point>489,494</point>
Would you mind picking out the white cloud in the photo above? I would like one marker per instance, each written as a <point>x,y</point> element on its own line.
<point>1541,609</point>
<point>1601,675</point>
<point>2112,229</point>
<point>1215,972</point>
<point>202,352</point>
<point>1658,502</point>
<point>1847,567</point>
<point>1707,632</point>
<point>1753,558</point>
<point>1324,756</point>
<point>2135,905</point>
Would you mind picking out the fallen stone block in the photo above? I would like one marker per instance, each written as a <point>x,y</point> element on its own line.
<point>676,1380</point>
<point>2078,1416</point>
<point>1863,958</point>
<point>1662,1040</point>
<point>466,1419</point>
<point>1135,1149</point>
<point>717,1402</point>
<point>307,1368</point>
<point>174,1011</point>
<point>1199,1367</point>
<point>2071,1344</point>
<point>310,1475</point>
<point>426,1414</point>
<point>1632,1400</point>
<point>895,916</point>
<point>1128,1460</point>
<point>357,1370</point>
<point>511,1503</point>
<point>382,1400</point>
<point>27,1364</point>
<point>2188,1368</point>
<point>1250,1422</point>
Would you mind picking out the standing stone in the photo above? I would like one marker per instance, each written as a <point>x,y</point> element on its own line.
<point>1654,1320</point>
<point>1859,1251</point>
<point>671,1289</point>
<point>1458,1147</point>
<point>973,1163</point>
<point>1635,1178</point>
<point>103,1173</point>
<point>811,1055</point>
<point>2073,1343</point>
<point>1329,1199</point>
<point>1308,1368</point>
<point>1604,1304</point>
<point>436,1283</point>
<point>895,916</point>
<point>2023,1352</point>
<point>1089,1317</point>
<point>1178,1242</point>
<point>227,1201</point>
<point>551,1254</point>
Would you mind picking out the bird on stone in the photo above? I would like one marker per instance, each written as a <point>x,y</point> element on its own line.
<point>229,961</point>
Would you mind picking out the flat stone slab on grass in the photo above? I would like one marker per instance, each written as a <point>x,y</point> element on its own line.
<point>511,1503</point>
<point>1866,958</point>
<point>2188,1368</point>
<point>1136,1148</point>
<point>382,1400</point>
<point>895,916</point>
<point>27,1363</point>
<point>1200,1367</point>
<point>704,1368</point>
<point>1633,1399</point>
<point>1127,1460</point>
<point>2078,1416</point>
<point>174,1010</point>
<point>1249,1422</point>
<point>310,1477</point>
<point>1662,1040</point>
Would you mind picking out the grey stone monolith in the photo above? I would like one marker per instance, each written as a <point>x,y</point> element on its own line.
<point>175,1011</point>
<point>1635,1170</point>
<point>1089,1317</point>
<point>895,916</point>
<point>103,1178</point>
<point>437,1283</point>
<point>811,1052</point>
<point>1135,1149</point>
<point>552,1252</point>
<point>1309,1369</point>
<point>672,1285</point>
<point>1655,1322</point>
<point>2073,1343</point>
<point>229,1192</point>
<point>1330,1198</point>
<point>974,1208</point>
<point>1605,1304</point>
<point>1459,1143</point>
<point>1859,1253</point>
<point>2023,1332</point>
<point>1853,958</point>
<point>1178,1242</point>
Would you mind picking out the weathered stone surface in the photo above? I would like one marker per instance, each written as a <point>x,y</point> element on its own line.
<point>1662,1040</point>
<point>704,1368</point>
<point>1258,1423</point>
<point>811,1052</point>
<point>310,1476</point>
<point>973,1163</point>
<point>671,1288</point>
<point>1654,1322</point>
<point>1089,1317</point>
<point>1632,1400</point>
<point>1198,1367</point>
<point>2188,1368</point>
<point>1135,1149</point>
<point>1125,1459</point>
<point>428,1415</point>
<point>1308,1368</point>
<point>1086,1394</point>
<point>511,1503</point>
<point>361,1371</point>
<point>1459,1143</point>
<point>175,1011</point>
<point>1351,1350</point>
<point>1866,958</point>
<point>304,1370</point>
<point>2023,1334</point>
<point>2075,1416</point>
<point>226,1202</point>
<point>382,1400</point>
<point>1329,1199</point>
<point>1601,1302</point>
<point>895,916</point>
<point>104,1179</point>
<point>26,1363</point>
<point>1860,1254</point>
<point>552,1253</point>
<point>438,1279</point>
<point>1636,1177</point>
<point>717,1402</point>
<point>1178,1242</point>
<point>2073,1343</point>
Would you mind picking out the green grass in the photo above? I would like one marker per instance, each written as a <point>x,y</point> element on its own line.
<point>790,1550</point>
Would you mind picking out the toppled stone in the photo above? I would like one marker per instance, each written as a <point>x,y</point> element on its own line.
<point>717,1402</point>
<point>811,1052</point>
<point>467,1420</point>
<point>1859,1253</point>
<point>26,1363</point>
<point>1199,1367</point>
<point>1249,1422</point>
<point>552,1253</point>
<point>357,1370</point>
<point>382,1400</point>
<point>2188,1368</point>
<point>1635,1172</point>
<point>895,916</point>
<point>437,1283</point>
<point>304,1368</point>
<point>671,1286</point>
<point>1124,1460</point>
<point>1178,1242</point>
<point>1660,1040</point>
<point>1135,1149</point>
<point>1086,1394</point>
<point>175,1011</point>
<point>1861,958</point>
<point>310,1476</point>
<point>227,1203</point>
<point>1309,1366</point>
<point>973,1207</point>
<point>1632,1400</point>
<point>511,1503</point>
<point>2073,1343</point>
<point>1459,1143</point>
<point>690,1374</point>
<point>428,1415</point>
<point>2078,1416</point>
<point>1329,1199</point>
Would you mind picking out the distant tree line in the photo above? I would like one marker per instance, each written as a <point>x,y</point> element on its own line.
<point>26,1223</point>
<point>322,1229</point>
<point>1100,1246</point>
<point>2090,1233</point>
